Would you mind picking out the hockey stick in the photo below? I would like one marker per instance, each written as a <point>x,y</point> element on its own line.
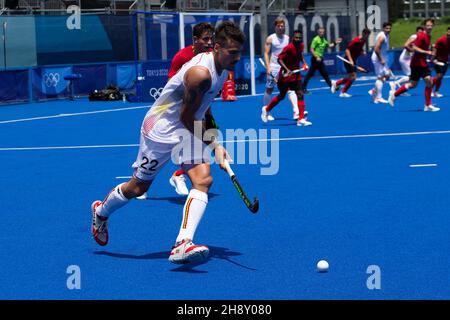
<point>357,67</point>
<point>253,207</point>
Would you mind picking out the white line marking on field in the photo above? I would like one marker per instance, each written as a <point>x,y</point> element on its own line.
<point>124,177</point>
<point>423,165</point>
<point>62,115</point>
<point>374,135</point>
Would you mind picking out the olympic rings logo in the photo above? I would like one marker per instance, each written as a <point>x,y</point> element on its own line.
<point>51,79</point>
<point>155,92</point>
<point>248,67</point>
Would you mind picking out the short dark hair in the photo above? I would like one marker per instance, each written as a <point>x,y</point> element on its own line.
<point>228,30</point>
<point>429,19</point>
<point>366,31</point>
<point>419,28</point>
<point>448,28</point>
<point>387,24</point>
<point>298,31</point>
<point>201,28</point>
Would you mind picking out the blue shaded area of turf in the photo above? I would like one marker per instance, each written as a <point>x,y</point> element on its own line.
<point>354,201</point>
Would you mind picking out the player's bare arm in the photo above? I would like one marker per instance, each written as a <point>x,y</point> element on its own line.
<point>197,82</point>
<point>314,54</point>
<point>349,56</point>
<point>267,48</point>
<point>336,42</point>
<point>281,62</point>
<point>408,44</point>
<point>419,50</point>
<point>377,49</point>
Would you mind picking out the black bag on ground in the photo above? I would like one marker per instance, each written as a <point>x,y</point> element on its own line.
<point>111,93</point>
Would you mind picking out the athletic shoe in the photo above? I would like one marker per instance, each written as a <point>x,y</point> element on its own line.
<point>333,86</point>
<point>303,123</point>
<point>431,108</point>
<point>265,115</point>
<point>380,100</point>
<point>371,92</point>
<point>187,252</point>
<point>305,91</point>
<point>143,197</point>
<point>345,95</point>
<point>437,94</point>
<point>391,98</point>
<point>99,225</point>
<point>296,115</point>
<point>179,183</point>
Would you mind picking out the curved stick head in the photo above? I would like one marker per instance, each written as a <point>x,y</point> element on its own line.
<point>255,206</point>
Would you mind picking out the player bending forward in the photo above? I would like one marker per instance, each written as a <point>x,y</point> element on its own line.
<point>169,125</point>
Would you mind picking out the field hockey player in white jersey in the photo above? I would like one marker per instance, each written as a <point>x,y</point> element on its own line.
<point>381,63</point>
<point>169,127</point>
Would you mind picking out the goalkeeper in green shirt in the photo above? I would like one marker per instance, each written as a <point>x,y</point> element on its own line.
<point>318,46</point>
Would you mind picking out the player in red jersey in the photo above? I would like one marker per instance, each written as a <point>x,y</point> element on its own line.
<point>202,35</point>
<point>353,51</point>
<point>290,58</point>
<point>419,68</point>
<point>440,53</point>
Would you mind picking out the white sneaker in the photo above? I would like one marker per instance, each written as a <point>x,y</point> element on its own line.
<point>99,227</point>
<point>187,252</point>
<point>380,100</point>
<point>333,86</point>
<point>345,95</point>
<point>431,108</point>
<point>437,94</point>
<point>295,116</point>
<point>391,98</point>
<point>264,114</point>
<point>303,123</point>
<point>179,183</point>
<point>371,92</point>
<point>143,197</point>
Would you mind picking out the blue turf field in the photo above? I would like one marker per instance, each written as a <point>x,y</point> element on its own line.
<point>345,192</point>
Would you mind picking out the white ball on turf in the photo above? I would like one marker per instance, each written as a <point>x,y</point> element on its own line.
<point>322,266</point>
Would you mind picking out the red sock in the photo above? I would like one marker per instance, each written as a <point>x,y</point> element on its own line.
<point>401,90</point>
<point>437,83</point>
<point>428,95</point>
<point>347,86</point>
<point>272,103</point>
<point>179,172</point>
<point>342,81</point>
<point>301,109</point>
